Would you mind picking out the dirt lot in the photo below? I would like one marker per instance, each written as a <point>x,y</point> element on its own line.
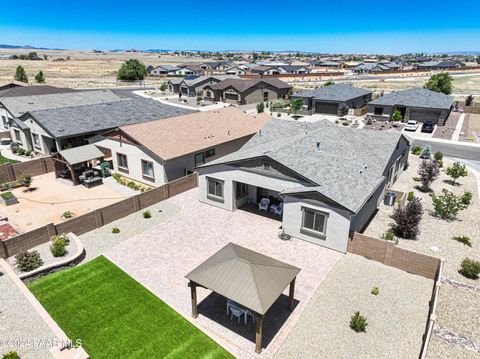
<point>52,198</point>
<point>471,128</point>
<point>83,69</point>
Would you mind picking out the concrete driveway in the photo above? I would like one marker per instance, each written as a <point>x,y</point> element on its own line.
<point>160,257</point>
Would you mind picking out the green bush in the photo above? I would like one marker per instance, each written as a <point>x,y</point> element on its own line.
<point>358,323</point>
<point>67,214</point>
<point>375,291</point>
<point>147,214</point>
<point>62,237</point>
<point>470,268</point>
<point>463,239</point>
<point>416,150</point>
<point>410,196</point>
<point>416,179</point>
<point>456,171</point>
<point>448,205</point>
<point>28,261</point>
<point>116,177</point>
<point>10,355</point>
<point>7,195</point>
<point>438,156</point>
<point>26,180</point>
<point>279,114</point>
<point>388,235</point>
<point>58,247</point>
<point>260,107</point>
<point>115,230</point>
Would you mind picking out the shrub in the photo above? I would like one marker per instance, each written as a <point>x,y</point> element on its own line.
<point>28,261</point>
<point>10,355</point>
<point>147,214</point>
<point>448,205</point>
<point>388,235</point>
<point>115,230</point>
<point>260,107</point>
<point>62,236</point>
<point>407,219</point>
<point>463,239</point>
<point>440,163</point>
<point>410,196</point>
<point>7,195</point>
<point>58,247</point>
<point>279,114</point>
<point>438,156</point>
<point>456,171</point>
<point>375,291</point>
<point>470,268</point>
<point>26,180</point>
<point>358,323</point>
<point>416,150</point>
<point>116,177</point>
<point>67,214</point>
<point>428,172</point>
<point>416,179</point>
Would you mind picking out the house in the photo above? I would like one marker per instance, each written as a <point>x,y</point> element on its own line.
<point>11,84</point>
<point>414,104</point>
<point>264,70</point>
<point>213,66</point>
<point>49,130</point>
<point>243,92</point>
<point>333,99</point>
<point>366,68</point>
<point>174,85</point>
<point>328,179</point>
<point>236,70</point>
<point>161,151</point>
<point>440,65</point>
<point>293,69</point>
<point>164,70</point>
<point>193,85</point>
<point>189,70</point>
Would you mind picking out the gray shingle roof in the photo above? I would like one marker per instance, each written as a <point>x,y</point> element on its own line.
<point>200,79</point>
<point>33,90</point>
<point>71,121</point>
<point>415,97</point>
<point>337,92</point>
<point>348,167</point>
<point>21,104</point>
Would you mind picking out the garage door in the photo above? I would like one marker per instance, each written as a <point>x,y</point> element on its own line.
<point>326,107</point>
<point>422,116</point>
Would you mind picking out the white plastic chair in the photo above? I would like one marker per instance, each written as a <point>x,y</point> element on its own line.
<point>279,209</point>
<point>235,312</point>
<point>263,205</point>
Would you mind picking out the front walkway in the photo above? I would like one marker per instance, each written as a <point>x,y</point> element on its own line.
<point>160,257</point>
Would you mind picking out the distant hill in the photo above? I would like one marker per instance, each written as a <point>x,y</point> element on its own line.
<point>25,47</point>
<point>466,53</point>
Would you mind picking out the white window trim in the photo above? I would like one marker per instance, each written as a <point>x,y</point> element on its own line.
<point>312,232</point>
<point>213,196</point>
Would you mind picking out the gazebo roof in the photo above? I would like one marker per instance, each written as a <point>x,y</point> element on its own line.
<point>81,154</point>
<point>244,276</point>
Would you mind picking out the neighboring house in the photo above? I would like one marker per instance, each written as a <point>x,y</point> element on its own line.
<point>440,65</point>
<point>174,85</point>
<point>11,84</point>
<point>264,70</point>
<point>192,86</point>
<point>330,179</point>
<point>48,131</point>
<point>189,70</point>
<point>164,70</point>
<point>12,108</point>
<point>414,104</point>
<point>293,69</point>
<point>247,91</point>
<point>161,151</point>
<point>215,66</point>
<point>331,99</point>
<point>235,70</point>
<point>366,68</point>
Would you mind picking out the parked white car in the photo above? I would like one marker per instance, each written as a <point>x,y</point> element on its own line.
<point>411,125</point>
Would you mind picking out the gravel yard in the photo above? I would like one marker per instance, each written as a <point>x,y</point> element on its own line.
<point>20,325</point>
<point>441,349</point>
<point>396,317</point>
<point>46,255</point>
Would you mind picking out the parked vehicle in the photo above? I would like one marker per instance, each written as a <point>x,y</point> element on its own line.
<point>411,125</point>
<point>427,127</point>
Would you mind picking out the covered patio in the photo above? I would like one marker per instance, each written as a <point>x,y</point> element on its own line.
<point>249,282</point>
<point>82,165</point>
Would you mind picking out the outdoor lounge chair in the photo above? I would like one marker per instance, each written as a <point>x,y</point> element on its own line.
<point>279,209</point>
<point>263,205</point>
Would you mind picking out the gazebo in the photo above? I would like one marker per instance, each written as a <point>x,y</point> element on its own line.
<point>246,277</point>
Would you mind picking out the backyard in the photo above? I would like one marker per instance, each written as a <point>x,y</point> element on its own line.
<point>116,317</point>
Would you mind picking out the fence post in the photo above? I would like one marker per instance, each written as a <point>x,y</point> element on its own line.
<point>51,230</point>
<point>98,218</point>
<point>136,203</point>
<point>388,254</point>
<point>11,172</point>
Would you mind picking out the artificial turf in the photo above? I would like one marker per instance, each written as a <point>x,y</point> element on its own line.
<point>116,317</point>
<point>4,160</point>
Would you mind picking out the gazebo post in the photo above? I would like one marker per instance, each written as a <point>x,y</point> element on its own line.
<point>259,334</point>
<point>291,293</point>
<point>193,291</point>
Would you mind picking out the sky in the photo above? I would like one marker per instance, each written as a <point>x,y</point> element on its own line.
<point>318,26</point>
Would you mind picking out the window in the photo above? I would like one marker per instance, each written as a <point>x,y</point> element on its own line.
<point>210,153</point>
<point>5,121</point>
<point>314,222</point>
<point>122,162</point>
<point>147,170</point>
<point>265,96</point>
<point>266,166</point>
<point>199,159</point>
<point>36,140</point>
<point>241,189</point>
<point>378,111</point>
<point>215,189</point>
<point>18,137</point>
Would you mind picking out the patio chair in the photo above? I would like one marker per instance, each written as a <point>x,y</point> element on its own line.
<point>248,314</point>
<point>279,209</point>
<point>235,312</point>
<point>263,205</point>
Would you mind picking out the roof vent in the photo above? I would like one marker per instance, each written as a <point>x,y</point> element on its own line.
<point>317,146</point>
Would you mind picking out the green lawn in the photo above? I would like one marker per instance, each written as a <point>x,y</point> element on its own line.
<point>116,317</point>
<point>4,160</point>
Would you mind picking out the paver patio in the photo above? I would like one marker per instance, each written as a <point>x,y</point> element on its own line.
<point>160,257</point>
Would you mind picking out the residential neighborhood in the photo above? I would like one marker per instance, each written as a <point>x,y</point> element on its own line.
<point>191,189</point>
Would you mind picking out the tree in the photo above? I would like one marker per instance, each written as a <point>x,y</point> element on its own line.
<point>441,82</point>
<point>20,74</point>
<point>33,56</point>
<point>296,105</point>
<point>397,116</point>
<point>39,78</point>
<point>448,205</point>
<point>407,219</point>
<point>260,107</point>
<point>132,70</point>
<point>428,172</point>
<point>469,100</point>
<point>328,83</point>
<point>456,171</point>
